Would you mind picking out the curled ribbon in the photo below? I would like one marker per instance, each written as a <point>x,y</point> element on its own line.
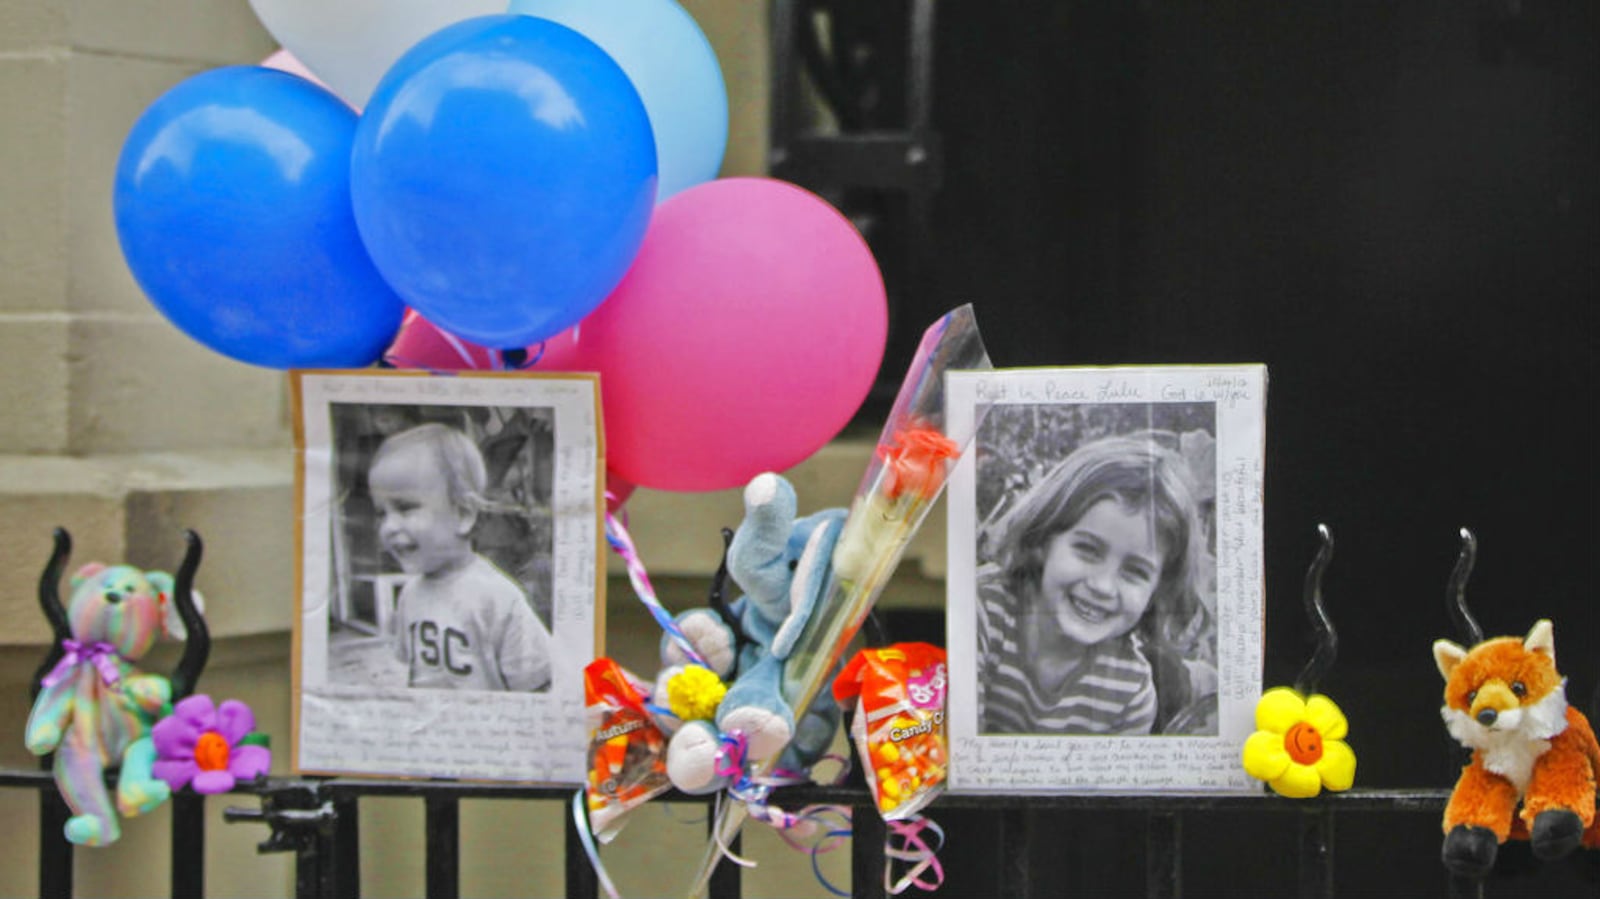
<point>836,830</point>
<point>730,763</point>
<point>913,850</point>
<point>730,756</point>
<point>580,819</point>
<point>810,830</point>
<point>753,792</point>
<point>100,654</point>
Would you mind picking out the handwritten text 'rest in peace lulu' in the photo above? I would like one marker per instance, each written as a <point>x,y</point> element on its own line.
<point>465,390</point>
<point>1226,389</point>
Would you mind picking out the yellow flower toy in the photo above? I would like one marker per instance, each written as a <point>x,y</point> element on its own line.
<point>1298,747</point>
<point>695,692</point>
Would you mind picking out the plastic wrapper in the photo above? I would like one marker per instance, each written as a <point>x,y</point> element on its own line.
<point>913,459</point>
<point>915,454</point>
<point>627,751</point>
<point>899,724</point>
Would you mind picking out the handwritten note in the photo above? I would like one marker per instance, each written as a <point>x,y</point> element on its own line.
<point>1034,764</point>
<point>1229,387</point>
<point>436,733</point>
<point>1236,398</point>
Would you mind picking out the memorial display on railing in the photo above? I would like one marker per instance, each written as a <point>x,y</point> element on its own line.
<point>745,690</point>
<point>451,576</point>
<point>495,255</point>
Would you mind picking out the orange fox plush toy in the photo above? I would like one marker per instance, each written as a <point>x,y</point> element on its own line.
<point>1504,700</point>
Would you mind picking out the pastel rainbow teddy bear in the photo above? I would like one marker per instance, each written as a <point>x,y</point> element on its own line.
<point>95,709</point>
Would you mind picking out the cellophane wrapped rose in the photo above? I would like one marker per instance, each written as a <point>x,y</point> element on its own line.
<point>915,453</point>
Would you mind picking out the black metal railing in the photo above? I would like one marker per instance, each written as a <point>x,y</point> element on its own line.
<point>316,819</point>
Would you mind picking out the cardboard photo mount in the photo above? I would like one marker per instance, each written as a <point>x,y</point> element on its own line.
<point>1093,719</point>
<point>400,671</point>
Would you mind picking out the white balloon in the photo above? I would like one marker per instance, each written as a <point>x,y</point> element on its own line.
<point>350,44</point>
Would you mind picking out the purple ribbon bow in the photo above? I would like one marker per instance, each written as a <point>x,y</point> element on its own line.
<point>101,654</point>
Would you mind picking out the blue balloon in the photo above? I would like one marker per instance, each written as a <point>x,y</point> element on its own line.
<point>503,177</point>
<point>232,205</point>
<point>671,64</point>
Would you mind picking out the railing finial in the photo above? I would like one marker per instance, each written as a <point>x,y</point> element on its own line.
<point>1456,593</point>
<point>1327,638</point>
<point>197,639</point>
<point>50,603</point>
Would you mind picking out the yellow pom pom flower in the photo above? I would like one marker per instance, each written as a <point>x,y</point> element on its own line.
<point>694,693</point>
<point>1298,747</point>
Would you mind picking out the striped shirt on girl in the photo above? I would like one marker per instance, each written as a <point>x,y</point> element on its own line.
<point>1113,692</point>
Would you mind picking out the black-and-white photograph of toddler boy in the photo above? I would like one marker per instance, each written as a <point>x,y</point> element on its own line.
<point>442,547</point>
<point>1096,569</point>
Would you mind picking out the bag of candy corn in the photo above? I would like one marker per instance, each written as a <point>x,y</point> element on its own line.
<point>898,727</point>
<point>627,751</point>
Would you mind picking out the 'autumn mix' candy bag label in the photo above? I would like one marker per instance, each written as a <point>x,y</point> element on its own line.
<point>627,761</point>
<point>899,727</point>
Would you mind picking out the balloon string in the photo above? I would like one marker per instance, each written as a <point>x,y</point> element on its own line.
<point>834,835</point>
<point>459,347</point>
<point>402,362</point>
<point>914,849</point>
<point>799,830</point>
<point>622,543</point>
<point>581,818</point>
<point>536,357</point>
<point>722,845</point>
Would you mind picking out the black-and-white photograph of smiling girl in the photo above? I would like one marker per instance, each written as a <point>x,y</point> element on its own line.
<point>442,548</point>
<point>1096,572</point>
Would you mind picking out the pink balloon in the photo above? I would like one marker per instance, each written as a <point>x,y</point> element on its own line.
<point>423,345</point>
<point>744,337</point>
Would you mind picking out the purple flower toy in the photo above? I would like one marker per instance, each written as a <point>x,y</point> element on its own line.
<point>213,746</point>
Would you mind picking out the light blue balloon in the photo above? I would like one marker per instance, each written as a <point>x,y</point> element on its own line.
<point>503,175</point>
<point>671,65</point>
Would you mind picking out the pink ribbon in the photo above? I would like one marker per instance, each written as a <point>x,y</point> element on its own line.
<point>101,654</point>
<point>905,842</point>
<point>753,792</point>
<point>730,756</point>
<point>915,851</point>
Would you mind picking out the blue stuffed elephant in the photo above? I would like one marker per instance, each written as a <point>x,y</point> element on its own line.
<point>782,563</point>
